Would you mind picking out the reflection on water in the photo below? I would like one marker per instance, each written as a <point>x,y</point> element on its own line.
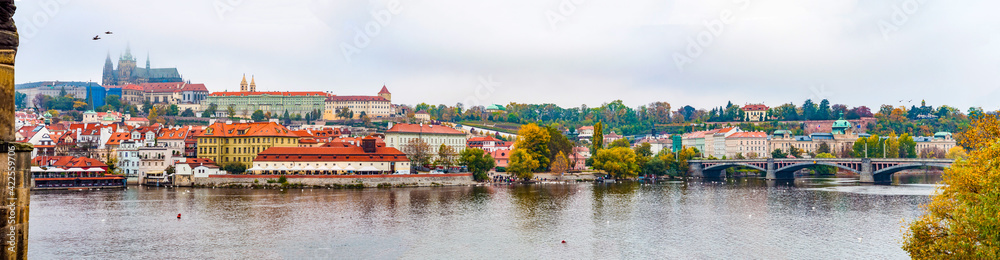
<point>729,218</point>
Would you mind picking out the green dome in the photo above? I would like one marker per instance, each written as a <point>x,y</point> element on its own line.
<point>495,107</point>
<point>840,126</point>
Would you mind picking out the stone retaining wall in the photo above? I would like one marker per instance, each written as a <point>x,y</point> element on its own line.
<point>404,180</point>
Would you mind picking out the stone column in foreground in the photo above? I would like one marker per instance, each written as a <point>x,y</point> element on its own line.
<point>15,175</point>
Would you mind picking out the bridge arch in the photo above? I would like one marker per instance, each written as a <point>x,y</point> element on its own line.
<point>803,165</point>
<point>901,167</point>
<point>723,166</point>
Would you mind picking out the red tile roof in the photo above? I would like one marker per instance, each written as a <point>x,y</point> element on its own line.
<point>172,134</point>
<point>117,138</point>
<point>755,107</point>
<point>162,87</point>
<point>132,87</point>
<point>384,90</point>
<point>748,135</point>
<point>355,98</point>
<point>330,154</point>
<point>195,162</point>
<point>220,129</point>
<point>484,139</point>
<point>426,129</point>
<point>68,162</point>
<point>273,93</point>
<point>195,87</point>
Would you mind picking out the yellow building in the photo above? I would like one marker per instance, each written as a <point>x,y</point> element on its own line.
<point>241,142</point>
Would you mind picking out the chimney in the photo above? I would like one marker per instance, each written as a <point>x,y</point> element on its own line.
<point>368,144</point>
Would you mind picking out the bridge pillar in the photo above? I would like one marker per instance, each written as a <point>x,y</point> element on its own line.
<point>697,170</point>
<point>866,171</point>
<point>770,170</point>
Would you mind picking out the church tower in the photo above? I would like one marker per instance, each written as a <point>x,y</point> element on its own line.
<point>384,93</point>
<point>126,64</point>
<point>253,85</point>
<point>243,84</point>
<point>108,78</point>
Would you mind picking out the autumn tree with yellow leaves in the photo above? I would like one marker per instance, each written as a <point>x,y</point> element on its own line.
<point>963,220</point>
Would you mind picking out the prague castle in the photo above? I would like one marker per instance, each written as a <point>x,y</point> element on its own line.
<point>128,73</point>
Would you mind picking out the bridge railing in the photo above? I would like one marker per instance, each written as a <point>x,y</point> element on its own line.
<point>874,160</point>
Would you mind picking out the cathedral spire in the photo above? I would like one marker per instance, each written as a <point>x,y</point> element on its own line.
<point>147,60</point>
<point>128,52</point>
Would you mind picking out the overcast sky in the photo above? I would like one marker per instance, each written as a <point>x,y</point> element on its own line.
<point>698,52</point>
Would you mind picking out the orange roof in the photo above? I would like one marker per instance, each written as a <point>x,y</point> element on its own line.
<point>425,129</point>
<point>273,93</point>
<point>755,107</point>
<point>195,162</point>
<point>384,90</point>
<point>484,139</point>
<point>723,130</point>
<point>302,133</point>
<point>220,129</point>
<point>748,135</point>
<point>117,138</point>
<point>172,134</point>
<point>162,86</point>
<point>132,87</point>
<point>67,161</point>
<point>355,98</point>
<point>330,154</point>
<point>195,87</point>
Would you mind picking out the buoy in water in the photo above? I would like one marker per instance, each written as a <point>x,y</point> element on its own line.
<point>178,215</point>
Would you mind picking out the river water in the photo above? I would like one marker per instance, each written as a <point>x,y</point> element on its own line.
<point>824,218</point>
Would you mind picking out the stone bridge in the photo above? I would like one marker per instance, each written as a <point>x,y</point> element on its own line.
<point>871,170</point>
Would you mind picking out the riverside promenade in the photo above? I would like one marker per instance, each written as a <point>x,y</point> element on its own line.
<point>379,180</point>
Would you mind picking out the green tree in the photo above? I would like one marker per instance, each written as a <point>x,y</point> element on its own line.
<point>345,113</point>
<point>231,111</point>
<point>891,147</point>
<point>961,221</point>
<point>620,143</point>
<point>114,101</point>
<point>778,153</point>
<point>257,116</point>
<point>522,164</point>
<point>643,154</point>
<point>620,162</point>
<point>823,169</point>
<point>20,100</point>
<point>153,116</point>
<point>823,148</point>
<point>598,139</point>
<point>446,156</point>
<point>173,110</point>
<point>234,167</point>
<point>558,143</point>
<point>187,113</point>
<point>535,141</point>
<point>210,111</point>
<point>418,151</point>
<point>560,164</point>
<point>478,161</point>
